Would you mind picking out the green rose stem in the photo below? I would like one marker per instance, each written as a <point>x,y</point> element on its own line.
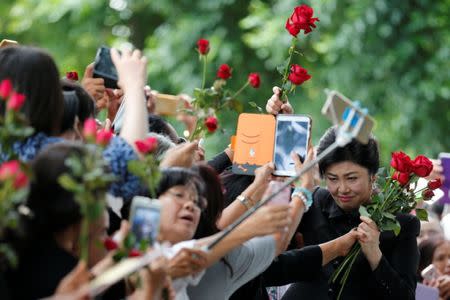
<point>240,90</point>
<point>205,60</point>
<point>286,70</point>
<point>197,131</point>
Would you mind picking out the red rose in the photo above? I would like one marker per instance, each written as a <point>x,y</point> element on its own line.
<point>211,124</point>
<point>401,162</point>
<point>11,170</point>
<point>298,75</point>
<point>16,101</point>
<point>254,80</point>
<point>203,46</point>
<point>434,184</point>
<point>224,72</point>
<point>90,129</point>
<point>422,166</point>
<point>134,253</point>
<point>110,244</point>
<point>147,146</point>
<point>427,194</point>
<point>402,178</point>
<point>300,19</point>
<point>5,88</point>
<point>103,137</point>
<point>72,75</point>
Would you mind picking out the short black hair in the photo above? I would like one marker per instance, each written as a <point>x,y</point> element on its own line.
<point>174,176</point>
<point>77,103</point>
<point>158,125</point>
<point>365,155</point>
<point>34,74</point>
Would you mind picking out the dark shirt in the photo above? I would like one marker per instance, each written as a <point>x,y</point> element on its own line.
<point>394,277</point>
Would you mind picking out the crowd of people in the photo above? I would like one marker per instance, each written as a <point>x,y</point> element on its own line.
<point>296,246</point>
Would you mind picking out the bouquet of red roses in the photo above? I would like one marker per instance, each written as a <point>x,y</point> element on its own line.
<point>397,194</point>
<point>208,101</point>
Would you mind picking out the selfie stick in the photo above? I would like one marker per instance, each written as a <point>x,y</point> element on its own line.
<point>345,134</point>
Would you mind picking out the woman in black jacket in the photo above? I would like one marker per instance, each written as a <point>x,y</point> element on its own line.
<point>386,266</point>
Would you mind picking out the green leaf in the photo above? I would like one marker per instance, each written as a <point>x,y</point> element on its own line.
<point>67,182</point>
<point>363,211</point>
<point>391,225</point>
<point>389,215</point>
<point>422,214</point>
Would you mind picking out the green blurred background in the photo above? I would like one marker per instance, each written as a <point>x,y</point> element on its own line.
<point>394,56</point>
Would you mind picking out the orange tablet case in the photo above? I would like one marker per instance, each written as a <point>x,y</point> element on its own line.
<point>253,143</point>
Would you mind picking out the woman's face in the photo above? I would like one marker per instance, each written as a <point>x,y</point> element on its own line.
<point>349,183</point>
<point>441,258</point>
<point>180,213</point>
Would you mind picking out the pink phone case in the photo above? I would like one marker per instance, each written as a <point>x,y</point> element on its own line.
<point>283,197</point>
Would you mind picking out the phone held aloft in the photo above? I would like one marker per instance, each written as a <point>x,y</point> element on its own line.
<point>104,67</point>
<point>145,218</point>
<point>430,273</point>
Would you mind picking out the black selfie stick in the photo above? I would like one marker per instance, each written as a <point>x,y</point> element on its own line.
<point>344,136</point>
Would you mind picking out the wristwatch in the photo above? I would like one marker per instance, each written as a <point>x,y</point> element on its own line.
<point>245,201</point>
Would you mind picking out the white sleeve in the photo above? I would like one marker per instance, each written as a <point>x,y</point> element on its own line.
<point>250,260</point>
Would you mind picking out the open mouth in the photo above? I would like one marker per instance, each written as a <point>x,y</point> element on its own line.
<point>187,218</point>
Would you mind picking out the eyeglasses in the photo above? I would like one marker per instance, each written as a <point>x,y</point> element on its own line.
<point>183,197</point>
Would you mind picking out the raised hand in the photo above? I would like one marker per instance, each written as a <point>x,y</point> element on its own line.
<point>275,106</point>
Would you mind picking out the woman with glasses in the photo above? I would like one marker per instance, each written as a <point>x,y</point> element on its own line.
<point>181,194</point>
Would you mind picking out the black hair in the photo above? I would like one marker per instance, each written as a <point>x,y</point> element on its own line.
<point>214,196</point>
<point>216,200</point>
<point>158,125</point>
<point>234,185</point>
<point>174,176</point>
<point>77,103</point>
<point>426,251</point>
<point>34,74</point>
<point>365,155</point>
<point>53,207</point>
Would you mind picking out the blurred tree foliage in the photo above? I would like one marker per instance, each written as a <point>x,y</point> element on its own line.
<point>394,56</point>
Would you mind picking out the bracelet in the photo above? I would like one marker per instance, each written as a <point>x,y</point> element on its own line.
<point>246,201</point>
<point>305,195</point>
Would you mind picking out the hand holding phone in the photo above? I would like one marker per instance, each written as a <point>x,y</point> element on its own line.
<point>104,68</point>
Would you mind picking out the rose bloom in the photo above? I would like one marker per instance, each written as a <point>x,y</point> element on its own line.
<point>147,146</point>
<point>103,137</point>
<point>402,178</point>
<point>110,244</point>
<point>5,88</point>
<point>11,170</point>
<point>427,194</point>
<point>203,46</point>
<point>73,75</point>
<point>422,166</point>
<point>434,184</point>
<point>16,101</point>
<point>298,75</point>
<point>224,72</point>
<point>89,128</point>
<point>211,124</point>
<point>401,162</point>
<point>300,19</point>
<point>254,80</point>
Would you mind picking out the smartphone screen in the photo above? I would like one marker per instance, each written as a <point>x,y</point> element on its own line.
<point>145,224</point>
<point>445,162</point>
<point>292,135</point>
<point>104,67</point>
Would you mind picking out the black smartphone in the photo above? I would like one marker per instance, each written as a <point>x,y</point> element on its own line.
<point>104,67</point>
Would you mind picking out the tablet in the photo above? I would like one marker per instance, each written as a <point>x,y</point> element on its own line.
<point>291,135</point>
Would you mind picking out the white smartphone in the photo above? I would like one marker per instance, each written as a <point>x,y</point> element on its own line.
<point>145,218</point>
<point>291,135</point>
<point>338,107</point>
<point>429,273</point>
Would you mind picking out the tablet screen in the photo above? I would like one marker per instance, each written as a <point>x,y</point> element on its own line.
<point>291,135</point>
